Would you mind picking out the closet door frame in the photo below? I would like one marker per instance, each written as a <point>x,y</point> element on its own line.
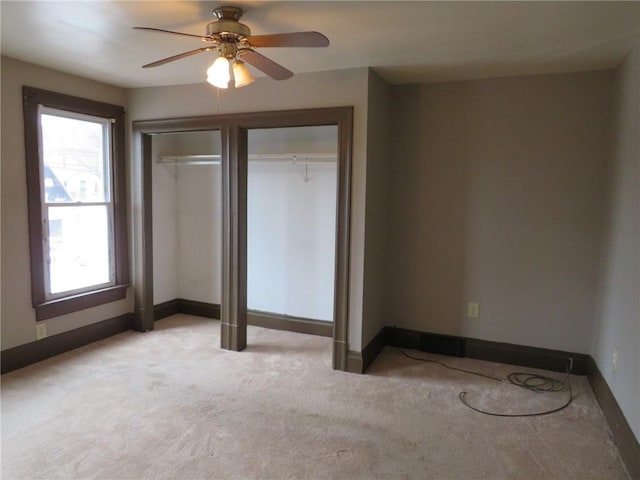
<point>233,129</point>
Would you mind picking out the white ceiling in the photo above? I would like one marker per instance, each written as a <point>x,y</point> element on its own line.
<point>406,42</point>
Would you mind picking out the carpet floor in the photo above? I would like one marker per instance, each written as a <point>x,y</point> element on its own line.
<point>170,404</point>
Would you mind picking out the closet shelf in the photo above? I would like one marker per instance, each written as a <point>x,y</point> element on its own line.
<point>293,158</point>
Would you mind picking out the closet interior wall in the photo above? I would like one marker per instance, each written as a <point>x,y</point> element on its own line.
<point>187,220</point>
<point>291,221</point>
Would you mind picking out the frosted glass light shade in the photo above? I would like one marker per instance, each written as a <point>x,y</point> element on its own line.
<point>218,73</point>
<point>241,74</point>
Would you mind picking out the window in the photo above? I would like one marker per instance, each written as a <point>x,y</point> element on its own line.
<point>77,202</point>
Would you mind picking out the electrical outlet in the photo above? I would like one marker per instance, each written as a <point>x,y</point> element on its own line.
<point>41,331</point>
<point>473,310</point>
<point>614,359</point>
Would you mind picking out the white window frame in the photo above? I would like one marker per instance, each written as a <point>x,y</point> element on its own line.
<point>106,124</point>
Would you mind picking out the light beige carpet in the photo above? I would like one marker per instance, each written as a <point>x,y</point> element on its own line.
<point>172,404</point>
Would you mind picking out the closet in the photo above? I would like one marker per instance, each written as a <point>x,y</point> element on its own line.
<point>187,209</point>
<point>291,220</point>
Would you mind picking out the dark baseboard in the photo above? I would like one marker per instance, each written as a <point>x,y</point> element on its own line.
<point>373,348</point>
<point>623,436</point>
<point>524,356</point>
<point>355,362</point>
<point>358,362</point>
<point>166,309</point>
<point>292,324</point>
<point>32,352</point>
<point>200,309</point>
<point>533,357</point>
<point>403,338</point>
<point>255,318</point>
<point>188,307</point>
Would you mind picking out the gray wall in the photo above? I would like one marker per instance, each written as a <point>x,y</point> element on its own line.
<point>18,316</point>
<point>376,223</point>
<point>617,325</point>
<point>497,199</point>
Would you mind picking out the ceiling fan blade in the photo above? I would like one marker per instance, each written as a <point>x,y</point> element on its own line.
<point>178,57</point>
<point>271,68</point>
<point>151,29</point>
<point>296,39</point>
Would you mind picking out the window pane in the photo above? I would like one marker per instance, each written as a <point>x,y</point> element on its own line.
<point>75,161</point>
<point>78,247</point>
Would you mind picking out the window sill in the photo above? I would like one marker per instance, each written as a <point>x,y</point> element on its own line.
<point>75,303</point>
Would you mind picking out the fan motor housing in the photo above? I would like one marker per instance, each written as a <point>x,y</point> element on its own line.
<point>223,26</point>
<point>228,23</point>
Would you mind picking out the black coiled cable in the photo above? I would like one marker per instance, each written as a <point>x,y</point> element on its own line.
<point>530,381</point>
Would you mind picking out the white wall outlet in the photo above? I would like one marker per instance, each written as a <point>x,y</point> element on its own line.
<point>473,310</point>
<point>614,359</point>
<point>41,331</point>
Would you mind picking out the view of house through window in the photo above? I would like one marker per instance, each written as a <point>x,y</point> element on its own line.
<point>76,202</point>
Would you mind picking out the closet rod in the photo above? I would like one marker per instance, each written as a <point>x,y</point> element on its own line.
<point>295,158</point>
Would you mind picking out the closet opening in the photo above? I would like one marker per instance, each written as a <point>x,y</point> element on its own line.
<point>214,191</point>
<point>187,223</point>
<point>291,220</point>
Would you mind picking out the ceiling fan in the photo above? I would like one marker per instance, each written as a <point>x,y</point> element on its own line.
<point>235,45</point>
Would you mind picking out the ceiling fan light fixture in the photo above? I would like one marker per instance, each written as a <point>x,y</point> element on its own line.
<point>241,74</point>
<point>218,73</point>
<point>232,39</point>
